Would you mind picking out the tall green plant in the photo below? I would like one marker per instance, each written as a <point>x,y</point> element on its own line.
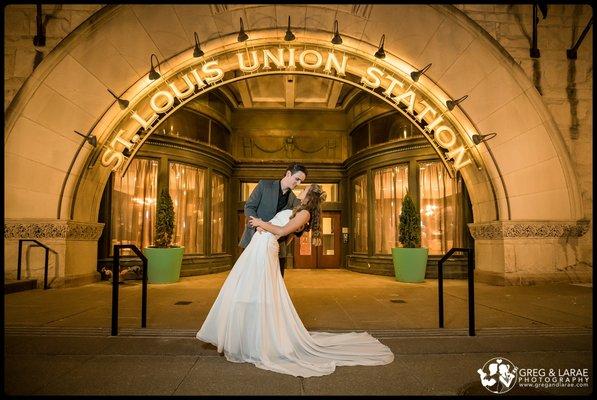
<point>164,226</point>
<point>410,223</point>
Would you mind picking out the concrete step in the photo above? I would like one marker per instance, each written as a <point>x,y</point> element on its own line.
<point>12,286</point>
<point>378,333</point>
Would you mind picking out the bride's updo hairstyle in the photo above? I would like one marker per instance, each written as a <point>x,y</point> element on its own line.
<point>313,199</point>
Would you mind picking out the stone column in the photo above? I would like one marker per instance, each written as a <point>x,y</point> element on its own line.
<point>73,262</point>
<point>529,252</point>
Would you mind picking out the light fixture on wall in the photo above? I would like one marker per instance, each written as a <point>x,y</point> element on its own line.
<point>572,52</point>
<point>153,74</point>
<point>415,75</point>
<point>336,39</point>
<point>242,36</point>
<point>483,138</point>
<point>289,37</point>
<point>197,52</point>
<point>121,102</point>
<point>380,53</point>
<point>453,103</point>
<point>92,140</point>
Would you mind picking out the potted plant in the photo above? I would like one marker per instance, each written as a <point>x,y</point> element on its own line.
<point>164,259</point>
<point>410,261</point>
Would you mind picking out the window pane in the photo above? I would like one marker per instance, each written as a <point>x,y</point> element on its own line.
<point>187,187</point>
<point>245,190</point>
<point>217,213</point>
<point>390,185</point>
<point>360,214</point>
<point>360,138</point>
<point>186,124</point>
<point>438,203</point>
<point>219,137</point>
<point>134,204</point>
<point>330,188</point>
<point>327,236</point>
<point>380,129</point>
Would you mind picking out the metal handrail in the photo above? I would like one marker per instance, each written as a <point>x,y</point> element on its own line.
<point>115,279</point>
<point>470,256</point>
<point>46,262</point>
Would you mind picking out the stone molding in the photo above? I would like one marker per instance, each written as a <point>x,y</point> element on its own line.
<point>528,229</point>
<point>52,229</point>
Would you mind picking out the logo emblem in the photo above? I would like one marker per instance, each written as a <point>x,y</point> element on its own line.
<point>498,375</point>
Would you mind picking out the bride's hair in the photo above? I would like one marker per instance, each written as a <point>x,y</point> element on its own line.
<point>313,199</point>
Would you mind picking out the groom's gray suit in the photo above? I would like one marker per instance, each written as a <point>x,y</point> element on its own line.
<point>262,203</point>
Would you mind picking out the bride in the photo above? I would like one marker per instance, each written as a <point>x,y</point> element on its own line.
<point>253,318</point>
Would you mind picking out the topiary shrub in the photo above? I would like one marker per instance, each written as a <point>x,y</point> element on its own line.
<point>410,224</point>
<point>164,226</point>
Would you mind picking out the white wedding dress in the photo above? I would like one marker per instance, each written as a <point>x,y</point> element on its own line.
<point>253,320</point>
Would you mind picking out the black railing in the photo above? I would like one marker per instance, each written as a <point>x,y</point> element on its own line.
<point>46,262</point>
<point>115,279</point>
<point>470,255</point>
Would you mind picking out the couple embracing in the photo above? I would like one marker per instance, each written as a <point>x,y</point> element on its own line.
<point>253,318</point>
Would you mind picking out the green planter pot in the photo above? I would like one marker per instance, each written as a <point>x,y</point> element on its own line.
<point>410,264</point>
<point>163,264</point>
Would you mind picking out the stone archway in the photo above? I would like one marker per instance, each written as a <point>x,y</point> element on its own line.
<point>527,164</point>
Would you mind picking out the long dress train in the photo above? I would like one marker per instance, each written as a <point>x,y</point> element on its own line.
<point>253,320</point>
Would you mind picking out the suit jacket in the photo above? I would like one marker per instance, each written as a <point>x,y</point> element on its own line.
<point>262,203</point>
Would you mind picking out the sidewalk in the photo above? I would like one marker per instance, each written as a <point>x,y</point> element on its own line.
<point>61,337</point>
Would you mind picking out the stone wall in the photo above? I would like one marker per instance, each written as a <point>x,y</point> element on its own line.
<point>565,85</point>
<point>20,27</point>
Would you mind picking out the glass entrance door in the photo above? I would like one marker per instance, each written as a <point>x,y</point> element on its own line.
<point>328,254</point>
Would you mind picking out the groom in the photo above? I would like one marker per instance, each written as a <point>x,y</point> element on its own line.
<point>270,197</point>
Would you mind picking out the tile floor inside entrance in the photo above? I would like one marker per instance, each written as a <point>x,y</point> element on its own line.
<point>335,299</point>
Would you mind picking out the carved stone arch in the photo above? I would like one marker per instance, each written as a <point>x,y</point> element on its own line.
<point>528,165</point>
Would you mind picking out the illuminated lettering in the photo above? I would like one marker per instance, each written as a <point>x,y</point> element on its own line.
<point>268,55</point>
<point>154,102</point>
<point>394,82</point>
<point>440,137</point>
<point>340,69</point>
<point>241,62</point>
<point>303,59</point>
<point>208,70</point>
<point>189,90</point>
<point>372,72</point>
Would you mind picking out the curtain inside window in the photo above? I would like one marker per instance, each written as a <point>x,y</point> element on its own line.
<point>360,214</point>
<point>390,186</point>
<point>439,199</point>
<point>134,205</point>
<point>217,213</point>
<point>187,185</point>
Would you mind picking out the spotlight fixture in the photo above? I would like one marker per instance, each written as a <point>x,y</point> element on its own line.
<point>289,37</point>
<point>197,52</point>
<point>242,36</point>
<point>483,138</point>
<point>380,53</point>
<point>336,39</point>
<point>415,75</point>
<point>153,74</point>
<point>122,103</point>
<point>92,140</point>
<point>453,103</point>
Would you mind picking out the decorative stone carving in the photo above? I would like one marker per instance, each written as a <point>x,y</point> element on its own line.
<point>528,229</point>
<point>288,145</point>
<point>71,230</point>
